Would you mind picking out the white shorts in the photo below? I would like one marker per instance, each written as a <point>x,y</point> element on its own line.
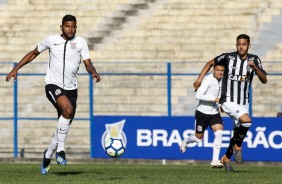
<point>234,110</point>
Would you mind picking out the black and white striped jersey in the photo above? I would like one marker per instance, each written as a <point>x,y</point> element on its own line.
<point>237,76</point>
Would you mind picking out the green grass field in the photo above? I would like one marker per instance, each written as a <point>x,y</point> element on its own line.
<point>138,173</point>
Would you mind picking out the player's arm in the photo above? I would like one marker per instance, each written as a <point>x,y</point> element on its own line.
<point>202,92</point>
<point>25,60</point>
<point>91,70</point>
<point>260,73</point>
<point>204,71</point>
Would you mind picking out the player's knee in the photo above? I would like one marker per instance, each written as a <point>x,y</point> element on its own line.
<point>199,137</point>
<point>247,124</point>
<point>68,113</point>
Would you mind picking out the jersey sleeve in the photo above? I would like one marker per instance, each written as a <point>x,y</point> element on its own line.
<point>258,63</point>
<point>202,91</point>
<point>84,51</point>
<point>221,59</point>
<point>44,44</point>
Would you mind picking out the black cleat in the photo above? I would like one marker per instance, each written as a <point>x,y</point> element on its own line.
<point>227,164</point>
<point>237,151</point>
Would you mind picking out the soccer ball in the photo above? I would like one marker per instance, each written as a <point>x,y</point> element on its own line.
<point>114,147</point>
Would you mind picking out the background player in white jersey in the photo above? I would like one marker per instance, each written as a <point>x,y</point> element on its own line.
<point>240,67</point>
<point>65,53</point>
<point>207,114</point>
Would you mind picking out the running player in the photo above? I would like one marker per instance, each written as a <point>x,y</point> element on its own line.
<point>240,67</point>
<point>65,53</point>
<point>207,114</point>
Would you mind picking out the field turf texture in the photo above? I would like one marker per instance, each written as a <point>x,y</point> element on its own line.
<point>138,173</point>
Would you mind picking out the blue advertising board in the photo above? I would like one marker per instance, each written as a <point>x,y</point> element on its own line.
<point>159,138</point>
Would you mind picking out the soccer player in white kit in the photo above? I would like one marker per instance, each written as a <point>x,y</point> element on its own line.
<point>240,67</point>
<point>65,53</point>
<point>207,114</point>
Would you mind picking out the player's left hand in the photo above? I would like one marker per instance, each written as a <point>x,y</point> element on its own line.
<point>96,76</point>
<point>252,65</point>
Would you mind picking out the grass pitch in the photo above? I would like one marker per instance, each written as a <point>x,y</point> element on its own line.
<point>138,173</point>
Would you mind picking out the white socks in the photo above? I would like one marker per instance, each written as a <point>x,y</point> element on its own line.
<point>217,144</point>
<point>53,146</point>
<point>59,137</point>
<point>62,131</point>
<point>191,139</point>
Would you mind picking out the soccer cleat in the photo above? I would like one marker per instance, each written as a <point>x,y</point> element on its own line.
<point>45,166</point>
<point>227,164</point>
<point>61,158</point>
<point>237,151</point>
<point>216,164</point>
<point>183,146</point>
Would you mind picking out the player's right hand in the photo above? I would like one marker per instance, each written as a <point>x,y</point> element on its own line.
<point>13,73</point>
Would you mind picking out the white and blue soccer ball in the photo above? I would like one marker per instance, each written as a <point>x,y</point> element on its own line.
<point>114,147</point>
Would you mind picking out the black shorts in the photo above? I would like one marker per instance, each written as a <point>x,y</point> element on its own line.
<point>53,92</point>
<point>205,120</point>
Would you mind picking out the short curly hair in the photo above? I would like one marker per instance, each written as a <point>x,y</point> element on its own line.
<point>68,18</point>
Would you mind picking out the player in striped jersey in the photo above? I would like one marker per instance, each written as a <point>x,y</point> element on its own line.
<point>240,67</point>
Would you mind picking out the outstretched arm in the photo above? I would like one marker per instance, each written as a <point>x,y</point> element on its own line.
<point>91,69</point>
<point>205,70</point>
<point>26,59</point>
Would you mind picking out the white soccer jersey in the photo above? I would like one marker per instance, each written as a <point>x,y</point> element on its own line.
<point>64,59</point>
<point>206,94</point>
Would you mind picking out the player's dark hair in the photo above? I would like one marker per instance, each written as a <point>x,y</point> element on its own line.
<point>68,18</point>
<point>244,36</point>
<point>219,65</point>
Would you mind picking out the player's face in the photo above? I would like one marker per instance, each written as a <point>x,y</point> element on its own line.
<point>69,29</point>
<point>218,71</point>
<point>242,46</point>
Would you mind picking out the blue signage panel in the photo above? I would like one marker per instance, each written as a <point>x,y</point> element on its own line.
<point>160,137</point>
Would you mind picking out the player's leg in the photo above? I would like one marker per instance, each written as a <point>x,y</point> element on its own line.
<point>65,102</point>
<point>52,146</point>
<point>191,139</point>
<point>216,124</point>
<point>45,166</point>
<point>239,134</point>
<point>63,126</point>
<point>201,123</point>
<point>235,111</point>
<point>51,95</point>
<point>217,128</point>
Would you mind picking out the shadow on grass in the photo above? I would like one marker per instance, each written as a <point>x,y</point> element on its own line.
<point>242,171</point>
<point>65,173</point>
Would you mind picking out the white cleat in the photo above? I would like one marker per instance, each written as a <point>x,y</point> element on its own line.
<point>183,147</point>
<point>216,164</point>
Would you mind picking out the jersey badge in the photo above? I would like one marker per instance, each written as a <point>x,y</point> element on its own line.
<point>57,92</point>
<point>73,45</point>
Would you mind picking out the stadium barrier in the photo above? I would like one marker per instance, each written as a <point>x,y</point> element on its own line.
<point>154,121</point>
